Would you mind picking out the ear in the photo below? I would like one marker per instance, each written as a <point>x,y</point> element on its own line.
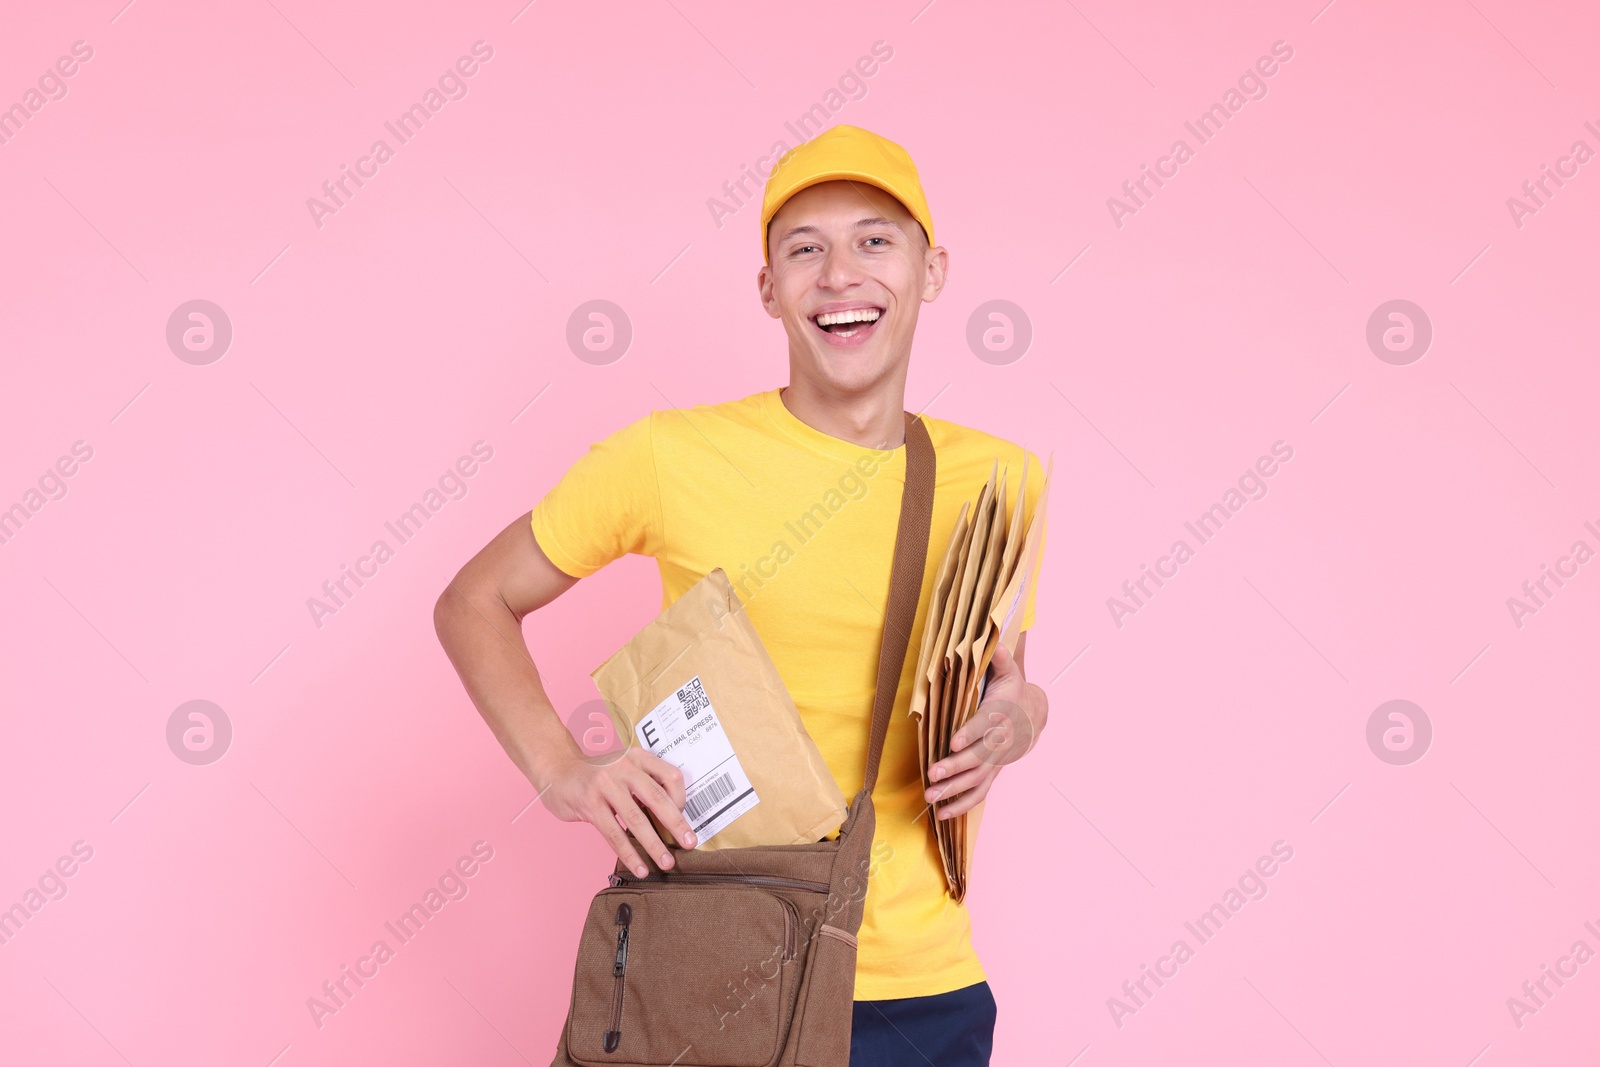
<point>937,262</point>
<point>764,287</point>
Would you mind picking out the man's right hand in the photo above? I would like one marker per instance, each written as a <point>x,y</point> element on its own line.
<point>479,621</point>
<point>611,793</point>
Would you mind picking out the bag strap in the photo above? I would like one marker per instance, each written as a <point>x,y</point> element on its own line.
<point>905,584</point>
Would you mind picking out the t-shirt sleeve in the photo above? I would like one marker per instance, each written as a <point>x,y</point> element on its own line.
<point>607,504</point>
<point>1035,484</point>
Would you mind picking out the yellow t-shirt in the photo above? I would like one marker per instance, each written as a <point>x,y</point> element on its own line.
<point>804,525</point>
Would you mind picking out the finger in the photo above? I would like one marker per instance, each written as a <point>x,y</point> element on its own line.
<point>641,829</point>
<point>1005,667</point>
<point>609,823</point>
<point>983,721</point>
<point>670,777</point>
<point>966,801</point>
<point>954,764</point>
<point>668,809</point>
<point>962,782</point>
<point>969,799</point>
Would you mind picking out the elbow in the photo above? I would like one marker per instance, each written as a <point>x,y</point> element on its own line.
<point>460,602</point>
<point>441,613</point>
<point>444,610</point>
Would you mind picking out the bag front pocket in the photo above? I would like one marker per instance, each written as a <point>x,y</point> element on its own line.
<point>824,1018</point>
<point>684,974</point>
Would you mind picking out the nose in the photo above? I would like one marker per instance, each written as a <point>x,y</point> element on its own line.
<point>840,270</point>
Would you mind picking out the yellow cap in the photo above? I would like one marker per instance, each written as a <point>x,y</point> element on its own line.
<point>846,153</point>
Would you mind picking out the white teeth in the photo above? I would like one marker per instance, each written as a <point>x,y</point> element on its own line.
<point>835,318</point>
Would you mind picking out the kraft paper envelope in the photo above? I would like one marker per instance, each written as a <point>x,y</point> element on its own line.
<point>920,680</point>
<point>971,646</point>
<point>976,660</point>
<point>987,636</point>
<point>940,685</point>
<point>971,569</point>
<point>987,639</point>
<point>1014,535</point>
<point>1006,616</point>
<point>1007,612</point>
<point>697,687</point>
<point>942,626</point>
<point>936,598</point>
<point>954,664</point>
<point>983,580</point>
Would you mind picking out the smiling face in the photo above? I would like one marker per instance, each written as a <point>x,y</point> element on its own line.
<point>849,271</point>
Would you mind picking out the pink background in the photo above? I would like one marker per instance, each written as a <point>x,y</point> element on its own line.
<point>430,311</point>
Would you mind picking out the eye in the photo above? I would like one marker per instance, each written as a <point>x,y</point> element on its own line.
<point>885,240</point>
<point>801,248</point>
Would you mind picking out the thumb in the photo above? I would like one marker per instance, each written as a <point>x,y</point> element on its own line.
<point>1003,661</point>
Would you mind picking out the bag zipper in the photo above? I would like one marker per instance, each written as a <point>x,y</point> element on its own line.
<point>790,927</point>
<point>619,968</point>
<point>768,880</point>
<point>791,914</point>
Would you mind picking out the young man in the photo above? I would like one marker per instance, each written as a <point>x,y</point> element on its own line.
<point>795,493</point>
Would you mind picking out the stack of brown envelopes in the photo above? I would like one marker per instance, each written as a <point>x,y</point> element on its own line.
<point>976,604</point>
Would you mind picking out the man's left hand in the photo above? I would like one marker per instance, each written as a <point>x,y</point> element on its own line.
<point>1001,731</point>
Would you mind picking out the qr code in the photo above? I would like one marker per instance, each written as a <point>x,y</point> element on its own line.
<point>692,697</point>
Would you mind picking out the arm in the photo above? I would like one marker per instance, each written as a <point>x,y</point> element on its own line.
<point>478,618</point>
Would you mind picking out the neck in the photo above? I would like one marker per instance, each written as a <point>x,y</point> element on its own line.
<point>874,418</point>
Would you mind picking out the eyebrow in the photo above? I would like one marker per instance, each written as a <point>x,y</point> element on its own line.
<point>795,231</point>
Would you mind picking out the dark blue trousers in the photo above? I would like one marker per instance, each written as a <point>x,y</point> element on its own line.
<point>954,1029</point>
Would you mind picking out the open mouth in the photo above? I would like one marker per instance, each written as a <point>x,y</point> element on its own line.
<point>853,324</point>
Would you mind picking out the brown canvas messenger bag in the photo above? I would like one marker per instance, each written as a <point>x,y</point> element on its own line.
<point>746,957</point>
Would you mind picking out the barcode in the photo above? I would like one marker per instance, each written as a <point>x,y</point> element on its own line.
<point>720,787</point>
<point>692,697</point>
